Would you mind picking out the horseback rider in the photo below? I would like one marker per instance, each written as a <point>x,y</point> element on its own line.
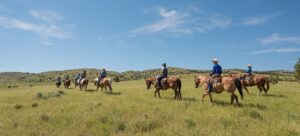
<point>83,76</point>
<point>249,71</point>
<point>216,73</point>
<point>67,77</point>
<point>102,74</point>
<point>77,76</point>
<point>164,74</point>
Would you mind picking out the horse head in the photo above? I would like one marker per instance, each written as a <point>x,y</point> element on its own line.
<point>197,82</point>
<point>149,82</point>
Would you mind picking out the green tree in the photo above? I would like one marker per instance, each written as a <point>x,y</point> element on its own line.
<point>297,70</point>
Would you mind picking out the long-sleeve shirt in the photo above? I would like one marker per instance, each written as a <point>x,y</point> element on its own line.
<point>83,75</point>
<point>103,74</point>
<point>217,69</point>
<point>164,71</point>
<point>77,76</point>
<point>249,71</point>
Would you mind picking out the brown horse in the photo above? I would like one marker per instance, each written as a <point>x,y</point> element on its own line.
<point>228,84</point>
<point>67,83</point>
<point>261,81</point>
<point>105,82</point>
<point>169,83</point>
<point>83,84</point>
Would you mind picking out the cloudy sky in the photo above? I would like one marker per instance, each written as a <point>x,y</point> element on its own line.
<point>40,35</point>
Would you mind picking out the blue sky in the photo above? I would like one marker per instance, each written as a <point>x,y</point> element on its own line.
<point>38,36</point>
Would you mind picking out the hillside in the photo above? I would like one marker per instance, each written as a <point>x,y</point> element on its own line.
<point>50,76</point>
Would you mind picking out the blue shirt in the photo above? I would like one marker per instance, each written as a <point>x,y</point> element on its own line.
<point>103,74</point>
<point>217,69</point>
<point>249,71</point>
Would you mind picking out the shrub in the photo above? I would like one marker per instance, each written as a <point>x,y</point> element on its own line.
<point>44,117</point>
<point>34,105</point>
<point>18,106</point>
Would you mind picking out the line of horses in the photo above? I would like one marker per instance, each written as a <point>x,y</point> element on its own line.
<point>228,84</point>
<point>83,84</point>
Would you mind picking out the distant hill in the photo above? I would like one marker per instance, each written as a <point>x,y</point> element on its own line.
<point>50,76</point>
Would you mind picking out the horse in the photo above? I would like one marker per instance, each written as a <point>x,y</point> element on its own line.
<point>261,81</point>
<point>58,83</point>
<point>67,83</point>
<point>105,82</point>
<point>83,84</point>
<point>228,84</point>
<point>169,83</point>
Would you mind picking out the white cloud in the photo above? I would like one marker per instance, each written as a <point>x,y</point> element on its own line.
<point>277,38</point>
<point>258,20</point>
<point>180,22</point>
<point>280,50</point>
<point>45,30</point>
<point>46,15</point>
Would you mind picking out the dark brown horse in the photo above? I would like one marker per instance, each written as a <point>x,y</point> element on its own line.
<point>57,83</point>
<point>228,84</point>
<point>168,83</point>
<point>104,83</point>
<point>261,81</point>
<point>67,83</point>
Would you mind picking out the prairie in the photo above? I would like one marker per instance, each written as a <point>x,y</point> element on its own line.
<point>133,110</point>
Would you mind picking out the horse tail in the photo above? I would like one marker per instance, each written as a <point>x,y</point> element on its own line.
<point>239,87</point>
<point>109,81</point>
<point>268,83</point>
<point>179,85</point>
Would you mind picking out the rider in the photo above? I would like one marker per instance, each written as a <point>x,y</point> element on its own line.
<point>164,74</point>
<point>77,76</point>
<point>249,71</point>
<point>102,74</point>
<point>83,76</point>
<point>216,73</point>
<point>67,77</point>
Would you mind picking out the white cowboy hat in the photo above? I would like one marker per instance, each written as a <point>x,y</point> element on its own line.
<point>215,60</point>
<point>249,65</point>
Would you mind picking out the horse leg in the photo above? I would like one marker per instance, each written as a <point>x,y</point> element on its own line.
<point>158,93</point>
<point>246,89</point>
<point>176,94</point>
<point>110,88</point>
<point>235,98</point>
<point>97,88</point>
<point>259,88</point>
<point>210,97</point>
<point>232,98</point>
<point>179,93</point>
<point>265,89</point>
<point>203,96</point>
<point>155,92</point>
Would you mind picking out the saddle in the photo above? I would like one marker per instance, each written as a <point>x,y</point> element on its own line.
<point>164,83</point>
<point>216,81</point>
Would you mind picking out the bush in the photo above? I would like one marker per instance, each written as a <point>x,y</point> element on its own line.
<point>39,95</point>
<point>121,126</point>
<point>34,105</point>
<point>44,117</point>
<point>18,106</point>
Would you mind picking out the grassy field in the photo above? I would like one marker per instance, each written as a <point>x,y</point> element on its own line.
<point>132,110</point>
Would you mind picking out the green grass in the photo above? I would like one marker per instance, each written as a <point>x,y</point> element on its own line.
<point>132,110</point>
